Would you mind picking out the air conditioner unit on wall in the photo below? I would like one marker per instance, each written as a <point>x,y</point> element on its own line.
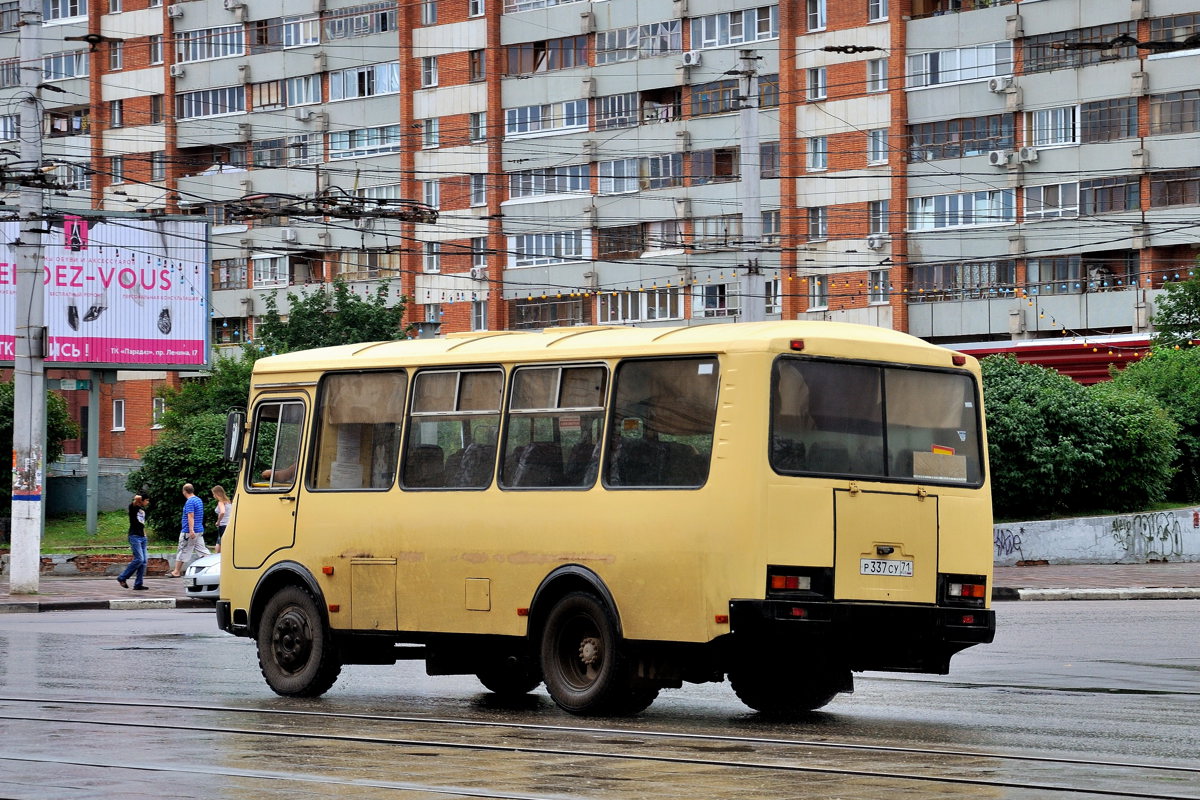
<point>479,273</point>
<point>876,241</point>
<point>691,58</point>
<point>1000,83</point>
<point>177,71</point>
<point>175,11</point>
<point>289,235</point>
<point>1027,154</point>
<point>999,158</point>
<point>233,5</point>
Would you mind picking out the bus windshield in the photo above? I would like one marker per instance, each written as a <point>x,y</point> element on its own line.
<point>870,421</point>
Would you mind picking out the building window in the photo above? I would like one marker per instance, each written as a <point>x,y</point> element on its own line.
<point>772,226</point>
<point>573,179</point>
<point>715,166</point>
<point>1107,120</point>
<point>634,174</point>
<point>477,126</point>
<point>478,189</point>
<point>818,153</point>
<point>68,121</point>
<point>1045,52</point>
<point>961,210</point>
<point>69,64</point>
<point>431,193</point>
<point>158,165</point>
<point>210,102</point>
<point>116,169</point>
<point>535,249</point>
<point>818,292</point>
<point>716,300</point>
<point>430,133</point>
<point>816,88</point>
<point>229,273</point>
<point>962,64</point>
<point>879,288</point>
<point>118,415</point>
<point>479,252</point>
<point>476,65</point>
<point>1060,275</point>
<point>364,20</point>
<point>815,14</point>
<point>624,241</point>
<point>1052,201</point>
<point>158,407</point>
<point>1180,187</point>
<point>431,257</point>
<point>622,307</point>
<point>877,146</point>
<point>64,9</point>
<point>361,142</point>
<point>1106,195</point>
<point>1177,112</point>
<point>877,10</point>
<point>476,8</point>
<point>210,43</point>
<point>368,81</point>
<point>429,12</point>
<point>818,223</point>
<point>572,114</point>
<point>773,296</point>
<point>116,55</point>
<point>1053,126</point>
<point>154,4</point>
<point>616,111</point>
<point>722,232</point>
<point>114,6</point>
<point>154,47</point>
<point>768,91</point>
<point>547,55</point>
<point>958,138</point>
<point>156,109</point>
<point>479,315</point>
<point>715,98</point>
<point>768,160</point>
<point>736,27</point>
<point>429,71</point>
<point>877,75</point>
<point>967,280</point>
<point>116,113</point>
<point>270,270</point>
<point>877,216</point>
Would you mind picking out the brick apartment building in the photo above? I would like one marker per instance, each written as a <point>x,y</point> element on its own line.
<point>964,170</point>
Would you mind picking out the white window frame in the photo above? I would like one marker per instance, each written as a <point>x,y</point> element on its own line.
<point>479,187</point>
<point>210,44</point>
<point>155,48</point>
<point>545,119</point>
<point>429,71</point>
<point>554,247</point>
<point>431,193</point>
<point>65,65</point>
<point>941,67</point>
<point>479,253</point>
<point>116,170</point>
<point>1052,201</point>
<point>735,27</point>
<point>158,407</point>
<point>877,75</point>
<point>879,288</point>
<point>818,153</point>
<point>817,83</point>
<point>477,126</point>
<point>431,136</point>
<point>62,10</point>
<point>476,8</point>
<point>199,104</point>
<point>877,10</point>
<point>479,315</point>
<point>572,179</point>
<point>364,142</point>
<point>962,210</point>
<point>372,80</point>
<point>269,269</point>
<point>116,55</point>
<point>877,216</point>
<point>429,12</point>
<point>626,306</point>
<point>818,292</point>
<point>816,223</point>
<point>716,300</point>
<point>877,146</point>
<point>431,257</point>
<point>118,415</point>
<point>1054,127</point>
<point>815,15</point>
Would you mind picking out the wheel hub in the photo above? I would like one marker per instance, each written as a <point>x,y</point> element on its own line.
<point>292,640</point>
<point>590,651</point>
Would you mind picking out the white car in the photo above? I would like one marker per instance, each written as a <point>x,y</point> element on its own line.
<point>204,577</point>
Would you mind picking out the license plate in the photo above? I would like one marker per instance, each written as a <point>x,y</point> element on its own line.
<point>885,566</point>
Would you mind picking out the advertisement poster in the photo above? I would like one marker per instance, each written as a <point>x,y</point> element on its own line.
<point>125,293</point>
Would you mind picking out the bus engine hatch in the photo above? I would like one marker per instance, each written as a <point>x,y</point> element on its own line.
<point>885,546</point>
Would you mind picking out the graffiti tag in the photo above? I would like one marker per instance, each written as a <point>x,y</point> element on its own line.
<point>1149,536</point>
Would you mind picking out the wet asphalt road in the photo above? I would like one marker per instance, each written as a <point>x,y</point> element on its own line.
<point>1108,681</point>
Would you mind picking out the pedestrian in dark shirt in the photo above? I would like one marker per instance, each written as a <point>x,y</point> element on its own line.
<point>137,543</point>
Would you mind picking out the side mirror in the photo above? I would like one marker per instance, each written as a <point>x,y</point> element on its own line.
<point>235,426</point>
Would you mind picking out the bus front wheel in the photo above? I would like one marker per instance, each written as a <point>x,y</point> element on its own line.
<point>296,652</point>
<point>778,691</point>
<point>585,669</point>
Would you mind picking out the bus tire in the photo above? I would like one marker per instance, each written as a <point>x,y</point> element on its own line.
<point>510,678</point>
<point>296,652</point>
<point>586,672</point>
<point>779,692</point>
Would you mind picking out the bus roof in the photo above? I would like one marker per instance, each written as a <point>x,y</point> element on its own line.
<point>836,339</point>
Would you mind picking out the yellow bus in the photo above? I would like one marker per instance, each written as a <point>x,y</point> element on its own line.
<point>614,511</point>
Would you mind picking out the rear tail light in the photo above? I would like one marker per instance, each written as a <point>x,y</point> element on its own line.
<point>967,590</point>
<point>791,583</point>
<point>964,590</point>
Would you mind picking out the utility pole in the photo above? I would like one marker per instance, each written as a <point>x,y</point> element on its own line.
<point>752,285</point>
<point>29,378</point>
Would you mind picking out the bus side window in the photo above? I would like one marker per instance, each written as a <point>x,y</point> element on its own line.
<point>275,445</point>
<point>358,436</point>
<point>664,414</point>
<point>452,431</point>
<point>553,431</point>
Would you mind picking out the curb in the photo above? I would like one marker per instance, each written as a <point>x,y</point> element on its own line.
<point>1003,593</point>
<point>35,606</point>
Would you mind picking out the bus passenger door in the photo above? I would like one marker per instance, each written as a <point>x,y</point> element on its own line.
<point>267,507</point>
<point>885,546</point>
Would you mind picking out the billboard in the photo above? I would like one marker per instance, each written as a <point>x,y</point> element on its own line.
<point>121,293</point>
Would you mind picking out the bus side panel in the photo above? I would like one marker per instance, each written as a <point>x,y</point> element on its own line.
<point>966,543</point>
<point>799,518</point>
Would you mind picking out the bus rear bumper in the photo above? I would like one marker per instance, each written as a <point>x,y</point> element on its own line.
<point>865,636</point>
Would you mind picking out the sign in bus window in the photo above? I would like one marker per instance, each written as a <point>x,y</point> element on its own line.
<point>453,429</point>
<point>358,435</point>
<point>275,447</point>
<point>661,428</point>
<point>553,429</point>
<point>860,420</point>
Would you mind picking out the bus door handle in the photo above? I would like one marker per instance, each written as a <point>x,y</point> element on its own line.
<point>287,497</point>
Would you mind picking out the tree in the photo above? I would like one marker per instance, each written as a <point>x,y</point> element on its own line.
<point>1140,457</point>
<point>329,314</point>
<point>1172,377</point>
<point>191,453</point>
<point>1176,316</point>
<point>59,428</point>
<point>226,386</point>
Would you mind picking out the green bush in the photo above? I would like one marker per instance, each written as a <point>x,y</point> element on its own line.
<point>1172,378</point>
<point>1139,461</point>
<point>190,453</point>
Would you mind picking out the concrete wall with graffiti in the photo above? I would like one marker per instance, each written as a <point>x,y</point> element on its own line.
<point>1124,538</point>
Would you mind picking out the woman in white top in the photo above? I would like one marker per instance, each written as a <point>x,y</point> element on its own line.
<point>222,499</point>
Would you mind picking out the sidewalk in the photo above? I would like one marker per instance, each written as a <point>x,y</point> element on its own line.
<point>1065,582</point>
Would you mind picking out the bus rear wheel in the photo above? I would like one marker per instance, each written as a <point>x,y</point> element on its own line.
<point>585,669</point>
<point>296,652</point>
<point>787,692</point>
